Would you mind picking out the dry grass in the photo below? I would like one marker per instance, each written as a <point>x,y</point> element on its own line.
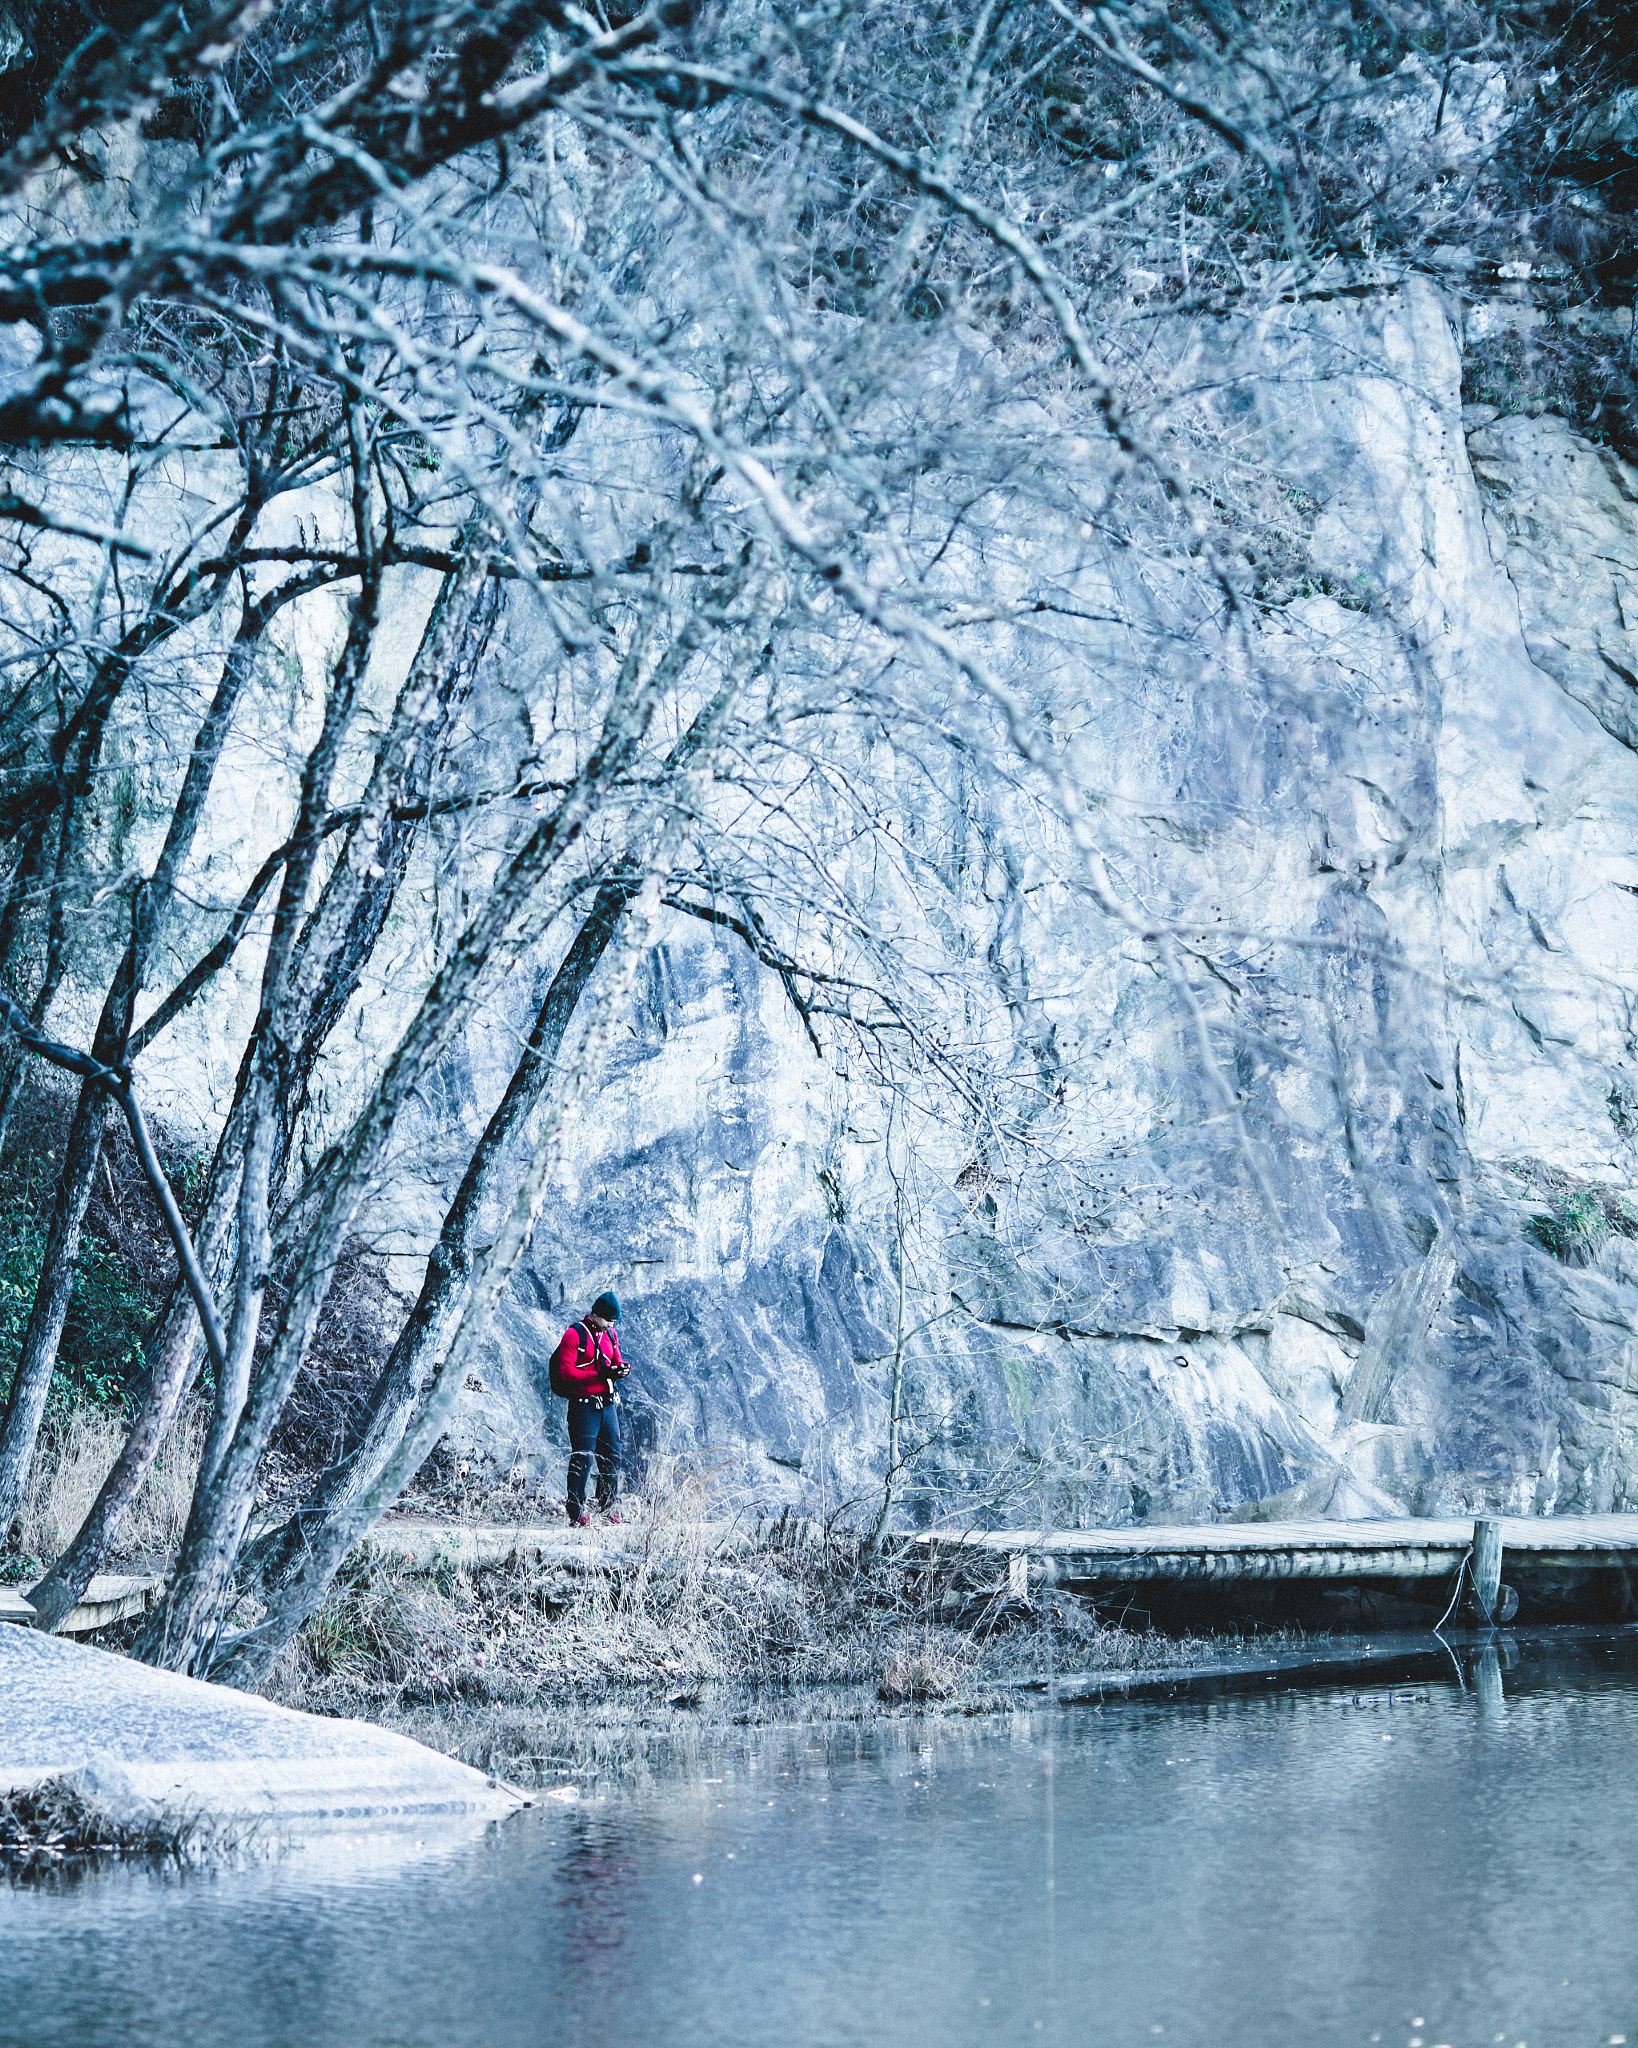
<point>923,1665</point>
<point>76,1454</point>
<point>52,1830</point>
<point>533,1710</point>
<point>536,1669</point>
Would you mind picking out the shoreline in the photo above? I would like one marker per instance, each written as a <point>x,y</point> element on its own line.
<point>388,1763</point>
<point>634,1736</point>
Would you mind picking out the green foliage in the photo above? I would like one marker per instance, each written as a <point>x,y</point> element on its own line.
<point>22,1242</point>
<point>1575,1224</point>
<point>1580,1216</point>
<point>110,1313</point>
<point>1580,377</point>
<point>109,1317</point>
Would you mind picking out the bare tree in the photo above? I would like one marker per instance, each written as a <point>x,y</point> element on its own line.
<point>691,375</point>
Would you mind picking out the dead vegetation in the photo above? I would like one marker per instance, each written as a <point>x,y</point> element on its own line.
<point>77,1453</point>
<point>52,1830</point>
<point>567,1663</point>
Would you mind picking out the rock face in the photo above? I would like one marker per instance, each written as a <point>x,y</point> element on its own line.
<point>1370,1256</point>
<point>140,1742</point>
<point>1326,1209</point>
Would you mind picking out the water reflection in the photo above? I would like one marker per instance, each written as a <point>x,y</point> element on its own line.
<point>1442,1855</point>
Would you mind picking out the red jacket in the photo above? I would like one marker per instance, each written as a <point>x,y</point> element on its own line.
<point>587,1370</point>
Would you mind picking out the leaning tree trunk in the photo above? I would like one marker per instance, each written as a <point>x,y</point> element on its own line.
<point>31,1383</point>
<point>245,1659</point>
<point>178,1351</point>
<point>20,1428</point>
<point>458,634</point>
<point>277,1557</point>
<point>445,1289</point>
<point>183,1632</point>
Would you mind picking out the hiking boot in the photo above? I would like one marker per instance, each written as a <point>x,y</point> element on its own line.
<point>581,1521</point>
<point>613,1515</point>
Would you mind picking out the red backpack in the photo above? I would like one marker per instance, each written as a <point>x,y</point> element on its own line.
<point>588,1343</point>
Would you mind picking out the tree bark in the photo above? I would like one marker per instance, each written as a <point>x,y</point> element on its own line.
<point>890,1483</point>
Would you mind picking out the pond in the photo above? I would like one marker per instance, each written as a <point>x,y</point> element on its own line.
<point>1445,1857</point>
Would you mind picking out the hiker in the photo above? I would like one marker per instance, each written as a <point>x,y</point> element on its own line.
<point>585,1369</point>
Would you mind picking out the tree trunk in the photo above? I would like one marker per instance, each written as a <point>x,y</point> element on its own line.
<point>21,1426</point>
<point>276,1557</point>
<point>247,1659</point>
<point>177,1354</point>
<point>174,1362</point>
<point>25,1405</point>
<point>513,917</point>
<point>878,1533</point>
<point>425,1336</point>
<point>457,635</point>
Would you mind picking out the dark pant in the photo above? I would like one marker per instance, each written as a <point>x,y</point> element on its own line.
<point>594,1433</point>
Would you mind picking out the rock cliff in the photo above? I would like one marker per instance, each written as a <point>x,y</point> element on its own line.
<point>1333,1204</point>
<point>1373,1255</point>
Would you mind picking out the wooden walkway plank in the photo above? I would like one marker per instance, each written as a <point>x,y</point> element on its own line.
<point>1411,1548</point>
<point>14,1607</point>
<point>109,1597</point>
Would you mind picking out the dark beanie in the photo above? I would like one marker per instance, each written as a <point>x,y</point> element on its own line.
<point>608,1307</point>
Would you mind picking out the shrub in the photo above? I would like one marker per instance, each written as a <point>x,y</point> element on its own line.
<point>125,1266</point>
<point>1580,1215</point>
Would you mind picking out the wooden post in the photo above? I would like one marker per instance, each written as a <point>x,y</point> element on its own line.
<point>1487,1558</point>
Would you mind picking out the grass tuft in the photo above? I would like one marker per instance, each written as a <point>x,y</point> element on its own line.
<point>1580,1216</point>
<point>52,1830</point>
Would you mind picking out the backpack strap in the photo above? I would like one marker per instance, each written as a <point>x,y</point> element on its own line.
<point>593,1352</point>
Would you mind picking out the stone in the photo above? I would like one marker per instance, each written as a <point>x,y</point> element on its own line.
<point>1333,1302</point>
<point>1561,514</point>
<point>1284,1259</point>
<point>143,1742</point>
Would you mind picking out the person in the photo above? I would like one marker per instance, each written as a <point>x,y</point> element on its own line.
<point>590,1367</point>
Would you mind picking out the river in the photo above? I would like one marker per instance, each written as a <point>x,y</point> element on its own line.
<point>1447,1857</point>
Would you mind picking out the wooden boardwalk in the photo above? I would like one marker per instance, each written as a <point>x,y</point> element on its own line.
<point>1222,1552</point>
<point>1301,1550</point>
<point>107,1598</point>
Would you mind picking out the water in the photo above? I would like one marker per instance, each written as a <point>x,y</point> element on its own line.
<point>1446,1859</point>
